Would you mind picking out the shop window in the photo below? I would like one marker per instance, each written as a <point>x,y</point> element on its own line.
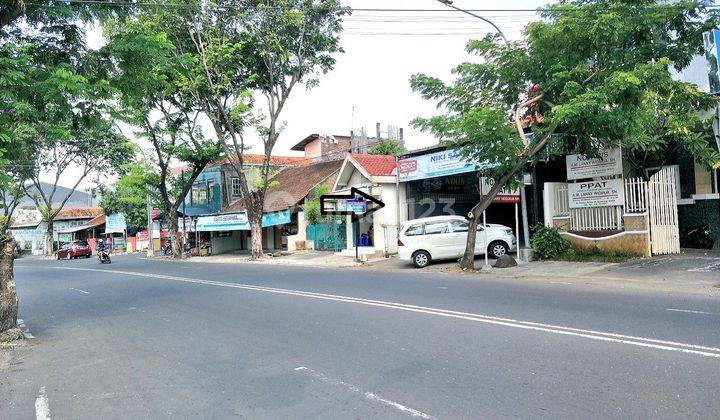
<point>436,228</point>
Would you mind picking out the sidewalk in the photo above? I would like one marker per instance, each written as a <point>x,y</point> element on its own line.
<point>299,258</point>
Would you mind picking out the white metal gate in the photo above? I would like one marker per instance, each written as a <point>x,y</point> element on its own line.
<point>663,212</point>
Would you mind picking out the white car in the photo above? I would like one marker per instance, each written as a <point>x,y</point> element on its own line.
<point>443,237</point>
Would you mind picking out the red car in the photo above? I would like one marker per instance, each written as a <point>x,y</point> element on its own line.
<point>74,249</point>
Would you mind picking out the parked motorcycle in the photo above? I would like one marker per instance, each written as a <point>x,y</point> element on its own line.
<point>104,257</point>
<point>697,237</point>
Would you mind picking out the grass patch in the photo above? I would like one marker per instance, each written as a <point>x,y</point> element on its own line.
<point>598,255</point>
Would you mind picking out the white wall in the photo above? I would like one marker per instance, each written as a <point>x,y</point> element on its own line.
<point>301,235</point>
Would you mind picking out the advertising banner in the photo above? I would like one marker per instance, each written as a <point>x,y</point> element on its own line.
<point>239,221</point>
<point>596,194</point>
<point>504,196</point>
<point>608,163</point>
<point>447,162</point>
<point>115,223</point>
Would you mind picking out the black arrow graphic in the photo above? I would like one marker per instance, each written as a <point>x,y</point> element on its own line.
<point>354,193</point>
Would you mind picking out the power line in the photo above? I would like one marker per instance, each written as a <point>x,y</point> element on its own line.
<point>65,3</point>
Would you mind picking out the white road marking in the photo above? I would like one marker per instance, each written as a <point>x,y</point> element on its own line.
<point>79,290</point>
<point>691,311</point>
<point>560,282</point>
<point>708,268</point>
<point>42,407</point>
<point>367,395</point>
<point>25,331</point>
<point>487,319</point>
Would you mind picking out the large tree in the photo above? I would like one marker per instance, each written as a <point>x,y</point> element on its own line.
<point>591,74</point>
<point>129,194</point>
<point>242,50</point>
<point>147,75</point>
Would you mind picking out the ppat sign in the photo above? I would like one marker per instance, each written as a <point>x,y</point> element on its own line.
<point>596,194</point>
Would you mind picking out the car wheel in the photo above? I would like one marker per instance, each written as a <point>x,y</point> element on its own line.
<point>57,255</point>
<point>421,259</point>
<point>497,249</point>
<point>68,256</point>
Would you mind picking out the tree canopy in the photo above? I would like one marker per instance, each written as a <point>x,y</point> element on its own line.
<point>589,75</point>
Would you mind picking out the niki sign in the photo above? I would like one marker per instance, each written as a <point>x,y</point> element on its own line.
<point>596,194</point>
<point>609,162</point>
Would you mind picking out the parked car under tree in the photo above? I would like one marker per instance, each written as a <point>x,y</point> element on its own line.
<point>443,237</point>
<point>74,249</point>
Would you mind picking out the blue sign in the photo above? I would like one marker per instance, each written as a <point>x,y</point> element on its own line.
<point>712,52</point>
<point>351,205</point>
<point>446,162</point>
<point>115,223</point>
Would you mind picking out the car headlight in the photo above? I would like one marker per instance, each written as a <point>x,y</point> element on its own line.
<point>508,231</point>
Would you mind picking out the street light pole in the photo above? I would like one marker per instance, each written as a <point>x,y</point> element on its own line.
<point>449,3</point>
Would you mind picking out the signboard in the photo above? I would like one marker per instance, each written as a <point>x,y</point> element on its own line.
<point>596,194</point>
<point>115,223</point>
<point>447,162</point>
<point>351,205</point>
<point>608,162</point>
<point>239,221</point>
<point>503,196</point>
<point>188,224</point>
<point>143,236</point>
<point>712,47</point>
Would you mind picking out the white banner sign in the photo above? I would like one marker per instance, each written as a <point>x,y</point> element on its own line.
<point>596,193</point>
<point>609,162</point>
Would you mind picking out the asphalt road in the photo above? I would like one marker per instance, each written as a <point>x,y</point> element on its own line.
<point>160,339</point>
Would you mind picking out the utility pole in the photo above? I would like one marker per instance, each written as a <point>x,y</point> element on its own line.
<point>150,250</point>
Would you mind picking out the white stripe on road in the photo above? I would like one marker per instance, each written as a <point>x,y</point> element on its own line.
<point>80,290</point>
<point>487,319</point>
<point>42,407</point>
<point>691,311</point>
<point>368,395</point>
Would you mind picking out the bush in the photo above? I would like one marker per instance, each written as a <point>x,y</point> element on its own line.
<point>599,255</point>
<point>548,244</point>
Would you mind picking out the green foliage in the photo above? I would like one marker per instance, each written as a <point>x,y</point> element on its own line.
<point>600,74</point>
<point>548,244</point>
<point>311,207</point>
<point>387,147</point>
<point>129,194</point>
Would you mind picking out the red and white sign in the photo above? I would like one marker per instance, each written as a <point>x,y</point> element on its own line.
<point>503,196</point>
<point>154,213</point>
<point>408,166</point>
<point>143,236</point>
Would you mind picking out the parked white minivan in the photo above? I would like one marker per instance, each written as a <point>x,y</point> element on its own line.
<point>443,237</point>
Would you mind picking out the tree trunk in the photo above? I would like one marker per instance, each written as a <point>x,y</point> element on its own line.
<point>49,239</point>
<point>173,233</point>
<point>256,236</point>
<point>8,297</point>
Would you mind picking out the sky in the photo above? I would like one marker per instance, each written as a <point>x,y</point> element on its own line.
<point>370,81</point>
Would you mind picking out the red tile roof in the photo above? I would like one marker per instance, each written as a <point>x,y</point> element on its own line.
<point>376,165</point>
<point>79,213</point>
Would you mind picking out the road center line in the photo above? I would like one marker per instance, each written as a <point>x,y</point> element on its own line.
<point>691,311</point>
<point>367,395</point>
<point>487,319</point>
<point>80,290</point>
<point>42,407</point>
